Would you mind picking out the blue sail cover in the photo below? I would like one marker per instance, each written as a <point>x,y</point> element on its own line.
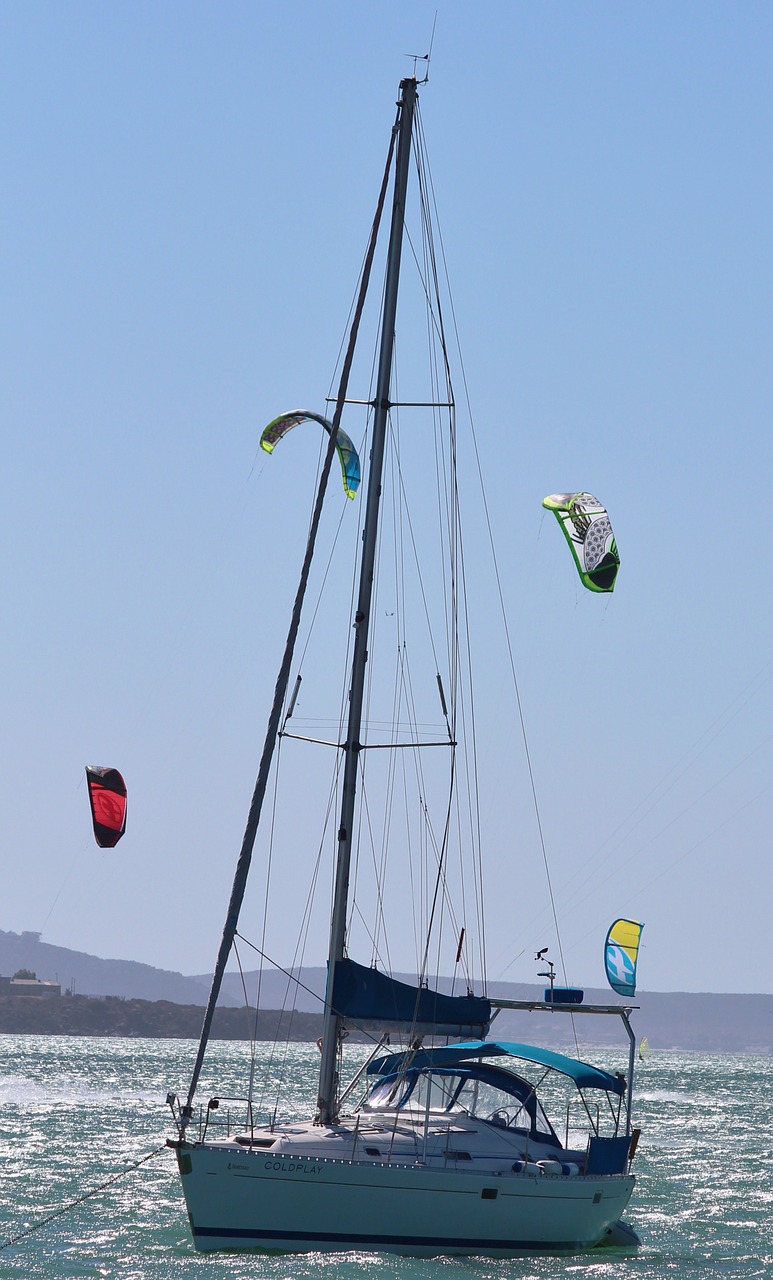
<point>365,996</point>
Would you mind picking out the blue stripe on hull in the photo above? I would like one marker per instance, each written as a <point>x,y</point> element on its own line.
<point>363,1239</point>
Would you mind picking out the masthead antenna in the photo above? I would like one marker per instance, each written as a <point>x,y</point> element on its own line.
<point>424,57</point>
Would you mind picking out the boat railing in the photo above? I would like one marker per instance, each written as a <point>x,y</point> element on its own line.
<point>579,1103</point>
<point>239,1117</point>
<point>615,1010</point>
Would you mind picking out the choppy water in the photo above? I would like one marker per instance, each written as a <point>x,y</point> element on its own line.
<point>74,1111</point>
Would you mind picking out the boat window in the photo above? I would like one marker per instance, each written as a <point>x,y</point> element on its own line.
<point>504,1099</point>
<point>388,1094</point>
<point>489,1102</point>
<point>443,1087</point>
<point>541,1125</point>
<point>485,1093</point>
<point>397,1091</point>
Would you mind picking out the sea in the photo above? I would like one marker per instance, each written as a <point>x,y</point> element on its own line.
<point>85,1173</point>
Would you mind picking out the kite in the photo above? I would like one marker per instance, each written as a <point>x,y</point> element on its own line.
<point>621,952</point>
<point>587,529</point>
<point>347,454</point>
<point>107,797</point>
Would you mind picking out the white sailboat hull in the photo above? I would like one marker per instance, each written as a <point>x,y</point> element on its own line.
<point>248,1200</point>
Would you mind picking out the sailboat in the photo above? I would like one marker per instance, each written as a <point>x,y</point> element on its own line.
<point>441,1143</point>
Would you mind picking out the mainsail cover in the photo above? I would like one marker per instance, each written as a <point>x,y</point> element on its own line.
<point>365,996</point>
<point>621,953</point>
<point>587,529</point>
<point>107,797</point>
<point>347,454</point>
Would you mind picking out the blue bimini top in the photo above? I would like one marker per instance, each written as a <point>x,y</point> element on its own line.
<point>582,1073</point>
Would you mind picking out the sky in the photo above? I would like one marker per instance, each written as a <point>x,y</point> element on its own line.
<point>187,191</point>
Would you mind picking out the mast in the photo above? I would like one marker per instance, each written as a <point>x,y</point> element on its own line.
<point>327,1100</point>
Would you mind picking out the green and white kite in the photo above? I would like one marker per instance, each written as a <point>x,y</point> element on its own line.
<point>587,529</point>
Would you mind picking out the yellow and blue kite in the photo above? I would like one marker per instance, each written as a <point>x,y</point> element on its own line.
<point>347,454</point>
<point>621,951</point>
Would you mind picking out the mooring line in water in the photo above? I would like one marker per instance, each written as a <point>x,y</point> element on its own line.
<point>5,1244</point>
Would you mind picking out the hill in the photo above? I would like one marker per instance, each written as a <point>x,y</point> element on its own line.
<point>702,1022</point>
<point>90,976</point>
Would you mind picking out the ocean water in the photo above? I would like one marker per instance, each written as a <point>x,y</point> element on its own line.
<point>76,1111</point>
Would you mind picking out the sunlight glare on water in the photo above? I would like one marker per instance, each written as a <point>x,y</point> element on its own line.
<point>74,1111</point>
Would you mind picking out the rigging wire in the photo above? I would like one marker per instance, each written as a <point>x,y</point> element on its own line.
<point>299,952</point>
<point>456,542</point>
<point>293,978</point>
<point>503,611</point>
<point>455,599</point>
<point>280,691</point>
<point>437,882</point>
<point>269,867</point>
<point>328,566</point>
<point>251,1035</point>
<point>402,681</point>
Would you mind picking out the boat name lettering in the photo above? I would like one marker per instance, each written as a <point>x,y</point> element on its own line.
<point>292,1166</point>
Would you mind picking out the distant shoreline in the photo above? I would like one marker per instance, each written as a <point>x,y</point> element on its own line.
<point>676,1023</point>
<point>151,1019</point>
<point>126,998</point>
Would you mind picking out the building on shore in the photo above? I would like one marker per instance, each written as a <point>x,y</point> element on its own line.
<point>29,988</point>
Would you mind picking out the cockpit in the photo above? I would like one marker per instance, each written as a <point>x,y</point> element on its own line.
<point>478,1091</point>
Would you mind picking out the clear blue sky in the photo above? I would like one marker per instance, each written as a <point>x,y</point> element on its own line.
<point>186,193</point>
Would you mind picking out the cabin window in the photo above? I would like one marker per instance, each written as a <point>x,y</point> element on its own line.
<point>482,1092</point>
<point>505,1100</point>
<point>488,1102</point>
<point>442,1091</point>
<point>388,1094</point>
